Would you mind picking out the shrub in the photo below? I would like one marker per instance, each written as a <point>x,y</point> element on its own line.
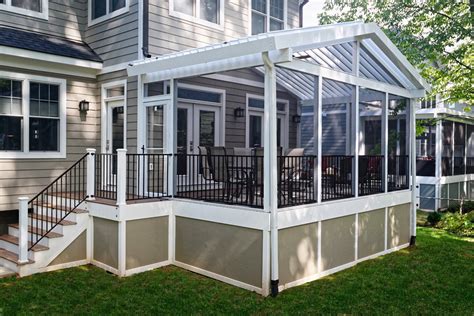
<point>467,207</point>
<point>459,224</point>
<point>433,218</point>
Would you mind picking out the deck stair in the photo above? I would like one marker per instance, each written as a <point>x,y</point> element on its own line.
<point>56,217</point>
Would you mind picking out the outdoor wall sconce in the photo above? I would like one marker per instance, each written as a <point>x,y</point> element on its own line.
<point>84,106</point>
<point>296,118</point>
<point>239,112</point>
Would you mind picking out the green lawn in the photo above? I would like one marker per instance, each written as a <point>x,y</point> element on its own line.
<point>436,277</point>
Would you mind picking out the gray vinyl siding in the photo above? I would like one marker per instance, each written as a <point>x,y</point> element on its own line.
<point>236,97</point>
<point>168,33</point>
<point>26,177</point>
<point>66,18</point>
<point>116,40</point>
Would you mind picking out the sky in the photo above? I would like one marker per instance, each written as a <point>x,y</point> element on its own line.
<point>310,10</point>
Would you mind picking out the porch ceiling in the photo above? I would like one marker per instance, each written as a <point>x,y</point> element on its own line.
<point>328,46</point>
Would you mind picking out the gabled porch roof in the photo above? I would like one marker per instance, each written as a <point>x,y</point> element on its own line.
<point>355,52</point>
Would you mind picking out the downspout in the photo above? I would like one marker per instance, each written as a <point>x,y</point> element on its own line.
<point>268,64</point>
<point>145,48</point>
<point>300,11</point>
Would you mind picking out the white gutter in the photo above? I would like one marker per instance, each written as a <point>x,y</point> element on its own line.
<point>270,166</point>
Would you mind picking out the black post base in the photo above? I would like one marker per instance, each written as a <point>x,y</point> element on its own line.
<point>412,241</point>
<point>274,288</point>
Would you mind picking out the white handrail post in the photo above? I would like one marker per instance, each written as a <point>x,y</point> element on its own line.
<point>23,227</point>
<point>90,187</point>
<point>121,176</point>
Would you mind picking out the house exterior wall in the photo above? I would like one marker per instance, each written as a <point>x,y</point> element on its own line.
<point>66,18</point>
<point>168,33</point>
<point>26,177</point>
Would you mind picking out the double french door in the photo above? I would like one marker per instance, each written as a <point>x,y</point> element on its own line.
<point>197,125</point>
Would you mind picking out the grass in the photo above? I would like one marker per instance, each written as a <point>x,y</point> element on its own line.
<point>435,277</point>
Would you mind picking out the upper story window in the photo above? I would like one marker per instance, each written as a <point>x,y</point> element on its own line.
<point>268,15</point>
<point>101,10</point>
<point>32,116</point>
<point>34,8</point>
<point>207,12</point>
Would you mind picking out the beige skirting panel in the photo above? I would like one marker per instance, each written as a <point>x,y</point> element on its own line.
<point>76,251</point>
<point>298,245</point>
<point>146,242</point>
<point>106,242</point>
<point>230,251</point>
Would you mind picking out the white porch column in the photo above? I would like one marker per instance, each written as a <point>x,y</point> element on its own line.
<point>356,119</point>
<point>90,181</point>
<point>318,136</point>
<point>23,228</point>
<point>412,110</point>
<point>121,176</point>
<point>171,116</point>
<point>270,165</point>
<point>385,111</point>
<point>438,155</point>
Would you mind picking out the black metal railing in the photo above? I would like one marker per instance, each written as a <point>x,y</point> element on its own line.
<point>55,202</point>
<point>398,167</point>
<point>337,177</point>
<point>147,176</point>
<point>370,175</point>
<point>222,178</point>
<point>296,180</point>
<point>106,176</point>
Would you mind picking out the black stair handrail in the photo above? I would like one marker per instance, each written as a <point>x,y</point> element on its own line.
<point>73,179</point>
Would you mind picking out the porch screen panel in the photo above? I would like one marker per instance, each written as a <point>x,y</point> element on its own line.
<point>398,160</point>
<point>459,148</point>
<point>447,150</point>
<point>426,149</point>
<point>470,149</point>
<point>337,140</point>
<point>371,158</point>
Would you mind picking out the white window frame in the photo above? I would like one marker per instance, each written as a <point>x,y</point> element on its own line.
<point>267,16</point>
<point>44,14</point>
<point>26,153</point>
<point>108,15</point>
<point>285,140</point>
<point>196,19</point>
<point>103,110</point>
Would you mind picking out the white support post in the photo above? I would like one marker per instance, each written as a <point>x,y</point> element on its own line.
<point>319,136</point>
<point>438,155</point>
<point>170,135</point>
<point>90,181</point>
<point>23,227</point>
<point>122,247</point>
<point>412,110</point>
<point>385,111</point>
<point>357,142</point>
<point>270,165</point>
<point>121,176</point>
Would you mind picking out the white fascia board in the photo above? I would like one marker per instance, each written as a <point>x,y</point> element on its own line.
<point>327,73</point>
<point>210,54</point>
<point>221,65</point>
<point>324,36</point>
<point>386,45</point>
<point>24,53</point>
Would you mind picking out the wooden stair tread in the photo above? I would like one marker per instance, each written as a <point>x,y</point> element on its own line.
<point>52,219</point>
<point>14,240</point>
<point>39,231</point>
<point>10,256</point>
<point>62,208</point>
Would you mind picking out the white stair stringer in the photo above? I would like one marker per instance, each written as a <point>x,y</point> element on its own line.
<point>56,246</point>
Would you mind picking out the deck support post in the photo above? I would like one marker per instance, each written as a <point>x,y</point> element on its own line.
<point>414,205</point>
<point>90,188</point>
<point>121,176</point>
<point>270,169</point>
<point>23,230</point>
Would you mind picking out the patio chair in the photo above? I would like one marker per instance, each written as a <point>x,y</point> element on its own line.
<point>205,168</point>
<point>370,180</point>
<point>293,177</point>
<point>218,166</point>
